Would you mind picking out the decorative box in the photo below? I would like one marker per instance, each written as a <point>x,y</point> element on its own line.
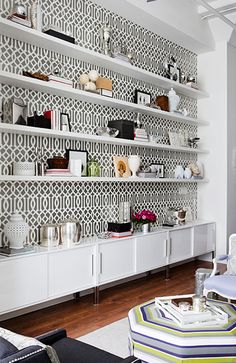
<point>24,168</point>
<point>62,36</point>
<point>125,127</point>
<point>119,227</point>
<point>104,83</point>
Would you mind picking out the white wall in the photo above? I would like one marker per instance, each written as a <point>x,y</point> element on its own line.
<point>231,141</point>
<point>212,201</point>
<point>175,20</point>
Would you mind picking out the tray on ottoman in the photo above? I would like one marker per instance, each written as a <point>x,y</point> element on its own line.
<point>211,315</point>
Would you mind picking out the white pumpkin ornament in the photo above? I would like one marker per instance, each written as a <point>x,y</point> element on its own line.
<point>83,79</point>
<point>90,86</point>
<point>93,75</point>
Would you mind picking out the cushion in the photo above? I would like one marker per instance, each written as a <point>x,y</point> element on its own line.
<point>73,351</point>
<point>6,348</point>
<point>21,342</point>
<point>224,285</point>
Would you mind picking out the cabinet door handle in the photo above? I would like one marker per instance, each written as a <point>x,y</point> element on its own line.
<point>101,263</point>
<point>166,248</point>
<point>170,247</point>
<point>92,264</point>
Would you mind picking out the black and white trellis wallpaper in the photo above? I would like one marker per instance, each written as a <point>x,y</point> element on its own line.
<point>91,203</point>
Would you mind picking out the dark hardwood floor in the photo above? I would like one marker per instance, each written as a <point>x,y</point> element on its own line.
<point>81,317</point>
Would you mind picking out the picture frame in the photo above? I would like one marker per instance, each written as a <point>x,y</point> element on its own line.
<point>174,73</point>
<point>174,138</point>
<point>159,169</point>
<point>142,98</point>
<point>78,155</point>
<point>65,122</point>
<point>122,169</point>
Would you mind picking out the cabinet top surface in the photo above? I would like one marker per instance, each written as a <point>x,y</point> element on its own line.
<point>93,241</point>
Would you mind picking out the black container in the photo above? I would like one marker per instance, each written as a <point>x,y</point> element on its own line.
<point>119,227</point>
<point>62,36</point>
<point>125,127</point>
<point>39,121</point>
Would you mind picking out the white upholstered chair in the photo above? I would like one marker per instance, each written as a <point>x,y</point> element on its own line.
<point>224,285</point>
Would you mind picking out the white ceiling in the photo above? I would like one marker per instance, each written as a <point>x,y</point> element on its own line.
<point>185,22</point>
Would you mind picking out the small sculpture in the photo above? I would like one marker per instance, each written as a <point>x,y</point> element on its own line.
<point>106,40</point>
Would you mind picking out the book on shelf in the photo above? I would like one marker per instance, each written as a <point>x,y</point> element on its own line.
<point>55,117</point>
<point>20,21</point>
<point>58,172</point>
<point>60,81</point>
<point>192,85</point>
<point>121,234</point>
<point>105,92</point>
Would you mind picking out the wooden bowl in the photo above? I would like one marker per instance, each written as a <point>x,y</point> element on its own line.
<point>57,162</point>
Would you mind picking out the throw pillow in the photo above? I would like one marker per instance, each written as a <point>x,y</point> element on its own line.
<point>6,348</point>
<point>21,342</point>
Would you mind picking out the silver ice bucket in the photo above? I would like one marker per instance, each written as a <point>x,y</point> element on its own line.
<point>70,231</point>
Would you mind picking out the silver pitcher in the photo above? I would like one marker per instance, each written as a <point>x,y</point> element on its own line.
<point>49,235</point>
<point>70,231</point>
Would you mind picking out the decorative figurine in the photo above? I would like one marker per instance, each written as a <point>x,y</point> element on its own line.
<point>106,40</point>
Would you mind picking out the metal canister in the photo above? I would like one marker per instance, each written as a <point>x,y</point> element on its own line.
<point>49,235</point>
<point>199,303</point>
<point>70,231</point>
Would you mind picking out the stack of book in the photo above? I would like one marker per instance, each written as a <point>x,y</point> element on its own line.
<point>140,135</point>
<point>121,234</point>
<point>60,81</point>
<point>122,57</point>
<point>54,116</point>
<point>19,20</point>
<point>192,85</point>
<point>58,172</point>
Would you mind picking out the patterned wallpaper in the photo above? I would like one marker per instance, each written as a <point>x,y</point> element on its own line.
<point>91,203</point>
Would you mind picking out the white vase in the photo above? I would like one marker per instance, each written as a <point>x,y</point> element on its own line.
<point>36,15</point>
<point>179,172</point>
<point>187,173</point>
<point>16,231</point>
<point>134,163</point>
<point>173,100</point>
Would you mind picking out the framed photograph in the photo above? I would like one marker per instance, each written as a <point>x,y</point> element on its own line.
<point>174,138</point>
<point>122,169</point>
<point>142,98</point>
<point>65,122</point>
<point>174,73</point>
<point>82,155</point>
<point>159,169</point>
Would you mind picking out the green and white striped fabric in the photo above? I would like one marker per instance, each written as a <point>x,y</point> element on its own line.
<point>156,338</point>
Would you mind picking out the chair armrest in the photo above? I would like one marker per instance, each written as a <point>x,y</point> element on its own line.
<point>216,260</point>
<point>33,354</point>
<point>51,337</point>
<point>131,360</point>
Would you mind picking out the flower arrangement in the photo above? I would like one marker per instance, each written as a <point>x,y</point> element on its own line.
<point>145,216</point>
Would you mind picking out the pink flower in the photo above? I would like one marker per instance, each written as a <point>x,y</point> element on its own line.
<point>144,216</point>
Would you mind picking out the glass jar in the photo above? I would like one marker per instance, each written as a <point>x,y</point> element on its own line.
<point>94,168</point>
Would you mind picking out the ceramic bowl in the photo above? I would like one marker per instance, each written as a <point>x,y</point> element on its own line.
<point>107,131</point>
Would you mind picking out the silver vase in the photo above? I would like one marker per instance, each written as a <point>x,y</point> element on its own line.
<point>146,228</point>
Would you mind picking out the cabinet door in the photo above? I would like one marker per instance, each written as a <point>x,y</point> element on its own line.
<point>23,282</point>
<point>116,260</point>
<point>180,245</point>
<point>151,252</point>
<point>71,271</point>
<point>204,239</point>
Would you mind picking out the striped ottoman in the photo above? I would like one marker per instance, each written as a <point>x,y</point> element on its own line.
<point>156,338</point>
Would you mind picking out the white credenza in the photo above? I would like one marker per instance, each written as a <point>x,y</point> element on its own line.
<point>48,274</point>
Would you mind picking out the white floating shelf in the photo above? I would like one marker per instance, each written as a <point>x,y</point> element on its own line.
<point>34,37</point>
<point>15,178</point>
<point>36,131</point>
<point>64,91</point>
